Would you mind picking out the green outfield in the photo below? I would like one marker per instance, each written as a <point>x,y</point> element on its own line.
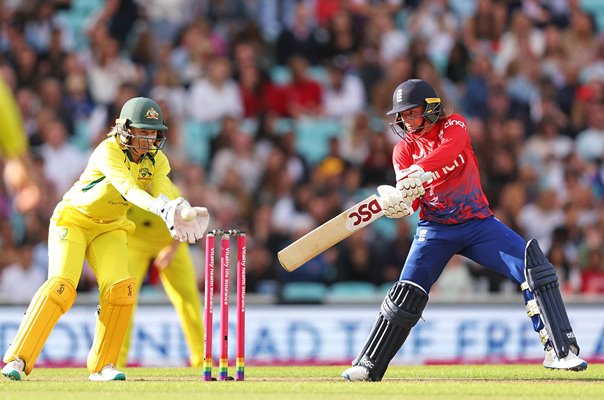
<point>417,382</point>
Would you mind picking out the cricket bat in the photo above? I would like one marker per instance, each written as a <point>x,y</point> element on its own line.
<point>333,231</point>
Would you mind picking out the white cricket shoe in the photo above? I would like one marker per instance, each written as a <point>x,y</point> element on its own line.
<point>14,369</point>
<point>571,362</point>
<point>108,373</point>
<point>356,374</point>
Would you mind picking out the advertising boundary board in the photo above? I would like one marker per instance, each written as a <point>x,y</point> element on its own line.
<point>328,334</point>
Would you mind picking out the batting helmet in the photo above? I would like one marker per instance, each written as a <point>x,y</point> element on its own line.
<point>415,93</point>
<point>143,113</point>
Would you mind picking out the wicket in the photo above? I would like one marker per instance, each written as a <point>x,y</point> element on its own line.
<point>225,262</point>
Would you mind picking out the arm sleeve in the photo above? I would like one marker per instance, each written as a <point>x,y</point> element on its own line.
<point>401,158</point>
<point>110,161</point>
<point>13,141</point>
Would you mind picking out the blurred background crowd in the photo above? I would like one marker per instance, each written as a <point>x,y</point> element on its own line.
<point>276,116</point>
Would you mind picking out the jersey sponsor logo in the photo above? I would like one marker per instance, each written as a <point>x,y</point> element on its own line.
<point>459,161</point>
<point>363,214</point>
<point>118,203</point>
<point>144,172</point>
<point>451,122</point>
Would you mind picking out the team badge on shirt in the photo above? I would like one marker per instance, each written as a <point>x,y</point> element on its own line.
<point>63,233</point>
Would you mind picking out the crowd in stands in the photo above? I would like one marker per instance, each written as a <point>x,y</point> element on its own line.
<point>276,116</point>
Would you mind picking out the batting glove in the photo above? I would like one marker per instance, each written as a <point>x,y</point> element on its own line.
<point>412,184</point>
<point>394,204</point>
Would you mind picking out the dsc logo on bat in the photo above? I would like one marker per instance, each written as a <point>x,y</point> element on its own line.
<point>364,213</point>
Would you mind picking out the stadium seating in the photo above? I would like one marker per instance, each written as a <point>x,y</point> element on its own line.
<point>197,136</point>
<point>312,137</point>
<point>303,292</point>
<point>596,7</point>
<point>350,291</point>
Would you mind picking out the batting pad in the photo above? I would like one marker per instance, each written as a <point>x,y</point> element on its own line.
<point>400,311</point>
<point>54,298</point>
<point>543,282</point>
<point>112,323</point>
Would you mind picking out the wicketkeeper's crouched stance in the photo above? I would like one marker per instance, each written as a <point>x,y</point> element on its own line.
<point>90,222</point>
<point>455,218</point>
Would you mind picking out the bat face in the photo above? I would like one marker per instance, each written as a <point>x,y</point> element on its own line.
<point>330,233</point>
<point>333,231</point>
<point>363,213</point>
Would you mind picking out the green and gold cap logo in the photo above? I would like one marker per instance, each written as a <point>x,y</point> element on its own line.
<point>152,114</point>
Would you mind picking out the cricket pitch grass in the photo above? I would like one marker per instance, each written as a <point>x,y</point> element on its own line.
<point>491,382</point>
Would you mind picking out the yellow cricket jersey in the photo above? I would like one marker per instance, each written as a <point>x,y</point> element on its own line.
<point>13,141</point>
<point>112,182</point>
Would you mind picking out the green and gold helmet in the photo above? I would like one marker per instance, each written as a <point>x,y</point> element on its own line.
<point>144,113</point>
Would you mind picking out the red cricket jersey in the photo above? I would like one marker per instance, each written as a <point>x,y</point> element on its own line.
<point>455,194</point>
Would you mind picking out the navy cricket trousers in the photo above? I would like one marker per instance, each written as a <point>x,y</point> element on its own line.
<point>489,242</point>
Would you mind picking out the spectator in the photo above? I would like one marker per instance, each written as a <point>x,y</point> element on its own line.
<point>435,23</point>
<point>354,140</point>
<point>304,94</point>
<point>590,141</point>
<point>455,280</point>
<point>63,162</point>
<point>24,272</point>
<point>216,96</point>
<point>301,39</point>
<point>390,41</point>
<point>238,157</point>
<point>591,261</point>
<point>345,32</point>
<point>356,260</point>
<point>52,97</point>
<point>539,220</point>
<point>398,70</point>
<point>522,40</point>
<point>546,150</point>
<point>482,30</point>
<point>344,95</point>
<point>580,38</point>
<point>108,71</point>
<point>103,115</point>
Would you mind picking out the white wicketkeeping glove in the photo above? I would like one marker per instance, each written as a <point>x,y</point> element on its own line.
<point>171,211</point>
<point>412,185</point>
<point>393,202</point>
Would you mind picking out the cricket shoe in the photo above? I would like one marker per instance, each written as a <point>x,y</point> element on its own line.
<point>108,373</point>
<point>14,369</point>
<point>356,373</point>
<point>570,363</point>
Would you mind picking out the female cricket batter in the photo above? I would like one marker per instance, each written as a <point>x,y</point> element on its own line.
<point>90,222</point>
<point>151,243</point>
<point>455,218</point>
